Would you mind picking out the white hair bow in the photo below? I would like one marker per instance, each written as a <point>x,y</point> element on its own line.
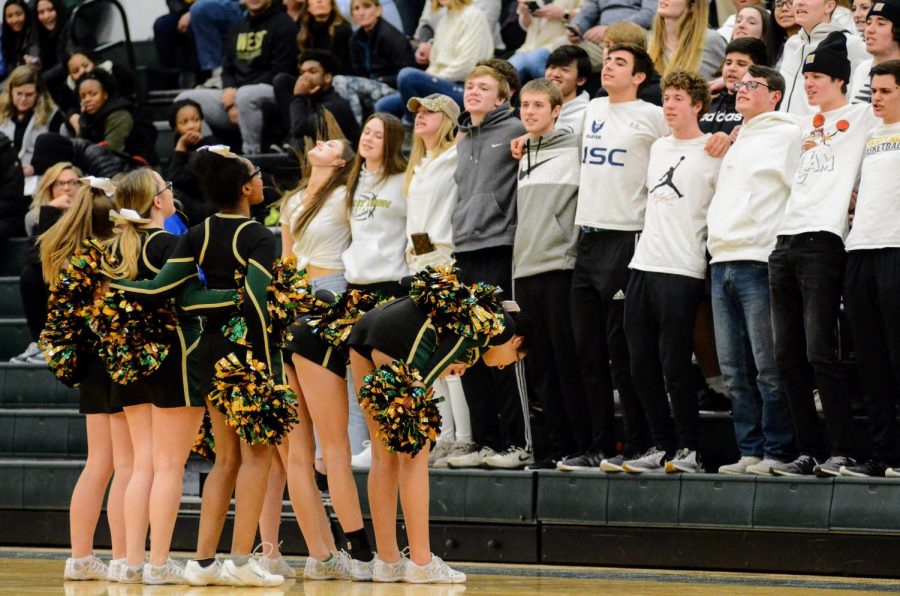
<point>104,184</point>
<point>510,306</point>
<point>126,216</point>
<point>223,150</point>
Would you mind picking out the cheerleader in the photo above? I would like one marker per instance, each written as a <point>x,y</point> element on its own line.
<point>164,409</point>
<point>235,252</point>
<point>404,331</point>
<point>109,445</point>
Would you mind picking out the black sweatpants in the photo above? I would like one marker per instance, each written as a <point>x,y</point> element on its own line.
<point>660,310</point>
<point>34,294</point>
<point>598,314</point>
<point>552,364</point>
<point>497,399</point>
<point>872,298</point>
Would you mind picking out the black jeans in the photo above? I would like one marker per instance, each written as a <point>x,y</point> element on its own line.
<point>872,297</point>
<point>660,311</point>
<point>34,294</point>
<point>806,275</point>
<point>497,399</point>
<point>598,311</point>
<point>552,364</point>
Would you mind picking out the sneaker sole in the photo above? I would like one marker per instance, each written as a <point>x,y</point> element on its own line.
<point>760,472</point>
<point>826,473</point>
<point>431,581</point>
<point>787,474</point>
<point>567,468</point>
<point>611,468</point>
<point>632,470</point>
<point>892,474</point>
<point>847,473</point>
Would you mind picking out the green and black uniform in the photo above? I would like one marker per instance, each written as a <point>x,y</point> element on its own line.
<point>175,383</point>
<point>234,252</point>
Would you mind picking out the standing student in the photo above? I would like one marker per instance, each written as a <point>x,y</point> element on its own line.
<point>751,194</point>
<point>568,67</point>
<point>26,111</point>
<point>723,115</point>
<point>543,259</point>
<point>882,37</point>
<point>870,285</point>
<point>806,269</point>
<point>618,132</point>
<point>109,446</point>
<point>483,232</point>
<point>667,279</point>
<point>221,245</point>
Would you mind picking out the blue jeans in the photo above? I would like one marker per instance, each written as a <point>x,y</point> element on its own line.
<point>412,82</point>
<point>531,65</point>
<point>210,21</point>
<point>745,345</point>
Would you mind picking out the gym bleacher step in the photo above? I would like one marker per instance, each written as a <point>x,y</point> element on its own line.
<point>39,432</point>
<point>13,251</point>
<point>10,299</point>
<point>33,386</point>
<point>14,337</point>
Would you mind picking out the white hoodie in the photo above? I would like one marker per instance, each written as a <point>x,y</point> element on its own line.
<point>377,229</point>
<point>753,188</point>
<point>798,47</point>
<point>431,201</point>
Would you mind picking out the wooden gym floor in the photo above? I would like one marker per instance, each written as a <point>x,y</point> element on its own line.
<point>29,571</point>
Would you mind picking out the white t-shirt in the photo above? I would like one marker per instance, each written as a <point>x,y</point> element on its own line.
<point>571,116</point>
<point>832,147</point>
<point>326,237</point>
<point>681,181</point>
<point>615,147</point>
<point>877,220</point>
<point>378,230</point>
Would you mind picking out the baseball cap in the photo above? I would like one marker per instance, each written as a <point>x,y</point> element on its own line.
<point>436,102</point>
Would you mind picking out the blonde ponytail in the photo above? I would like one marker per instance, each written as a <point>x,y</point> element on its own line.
<point>135,192</point>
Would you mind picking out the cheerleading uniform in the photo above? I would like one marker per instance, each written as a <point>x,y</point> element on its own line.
<point>95,391</point>
<point>175,383</point>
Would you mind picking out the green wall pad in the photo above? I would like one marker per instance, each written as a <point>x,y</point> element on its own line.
<point>870,504</point>
<point>649,499</point>
<point>572,497</point>
<point>801,502</point>
<point>713,500</point>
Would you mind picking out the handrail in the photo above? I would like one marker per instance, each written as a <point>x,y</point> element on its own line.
<point>129,48</point>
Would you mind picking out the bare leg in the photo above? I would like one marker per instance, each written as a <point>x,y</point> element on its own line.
<point>87,497</point>
<point>137,494</point>
<point>270,518</point>
<point>123,460</point>
<point>414,501</point>
<point>249,495</point>
<point>219,485</point>
<point>174,431</point>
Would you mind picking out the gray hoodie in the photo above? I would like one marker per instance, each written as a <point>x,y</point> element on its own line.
<point>546,200</point>
<point>485,213</point>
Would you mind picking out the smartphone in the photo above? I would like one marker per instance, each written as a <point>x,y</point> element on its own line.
<point>421,244</point>
<point>573,30</point>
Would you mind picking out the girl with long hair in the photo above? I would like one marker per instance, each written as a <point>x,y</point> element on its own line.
<point>234,252</point>
<point>430,190</point>
<point>782,26</point>
<point>323,27</point>
<point>19,42</point>
<point>109,445</point>
<point>26,111</point>
<point>682,40</point>
<point>163,409</point>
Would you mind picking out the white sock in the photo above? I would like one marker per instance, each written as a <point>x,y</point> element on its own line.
<point>717,384</point>
<point>457,400</point>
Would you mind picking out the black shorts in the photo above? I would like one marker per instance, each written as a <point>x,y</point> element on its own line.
<point>95,394</point>
<point>391,289</point>
<point>308,345</point>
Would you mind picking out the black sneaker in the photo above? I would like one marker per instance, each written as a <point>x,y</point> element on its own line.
<point>832,466</point>
<point>613,465</point>
<point>872,467</point>
<point>802,466</point>
<point>711,401</point>
<point>589,460</point>
<point>546,463</point>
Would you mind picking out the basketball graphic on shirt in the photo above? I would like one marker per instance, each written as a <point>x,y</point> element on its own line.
<point>364,206</point>
<point>665,190</point>
<point>818,155</point>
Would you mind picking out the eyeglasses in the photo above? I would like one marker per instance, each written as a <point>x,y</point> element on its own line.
<point>779,4</point>
<point>168,186</point>
<point>256,172</point>
<point>750,85</point>
<point>67,183</point>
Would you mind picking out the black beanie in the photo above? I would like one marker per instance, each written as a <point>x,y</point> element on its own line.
<point>888,10</point>
<point>830,57</point>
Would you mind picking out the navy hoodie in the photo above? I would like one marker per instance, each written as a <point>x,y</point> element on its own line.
<point>258,47</point>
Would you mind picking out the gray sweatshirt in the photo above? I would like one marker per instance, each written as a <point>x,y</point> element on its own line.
<point>485,213</point>
<point>546,236</point>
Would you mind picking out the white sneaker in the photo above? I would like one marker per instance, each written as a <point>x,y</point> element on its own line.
<point>85,569</point>
<point>435,572</point>
<point>686,461</point>
<point>512,458</point>
<point>31,351</point>
<point>651,462</point>
<point>441,450</point>
<point>250,574</point>
<point>170,573</point>
<point>764,467</point>
<point>360,571</point>
<point>363,459</point>
<point>127,575</point>
<point>473,459</point>
<point>115,568</point>
<point>336,567</point>
<point>278,566</point>
<point>456,449</point>
<point>740,466</point>
<point>197,575</point>
<point>389,572</point>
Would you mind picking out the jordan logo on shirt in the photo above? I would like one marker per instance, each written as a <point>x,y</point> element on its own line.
<point>667,179</point>
<point>818,155</point>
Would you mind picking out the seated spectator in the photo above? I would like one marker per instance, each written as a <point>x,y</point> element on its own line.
<point>545,31</point>
<point>57,35</point>
<point>751,21</point>
<point>589,27</point>
<point>107,118</point>
<point>568,67</point>
<point>432,13</point>
<point>860,15</point>
<point>26,111</point>
<point>681,40</point>
<point>630,33</point>
<point>782,26</point>
<point>80,61</point>
<point>727,28</point>
<point>294,9</point>
<point>461,39</point>
<point>173,37</point>
<point>19,42</point>
<point>258,46</point>
<point>722,115</point>
<point>882,42</point>
<point>209,22</point>
<point>53,196</point>
<point>186,119</point>
<point>12,191</point>
<point>378,51</point>
<point>322,27</point>
<point>314,98</point>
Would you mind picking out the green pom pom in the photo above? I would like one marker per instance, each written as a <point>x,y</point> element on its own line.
<point>336,322</point>
<point>205,443</point>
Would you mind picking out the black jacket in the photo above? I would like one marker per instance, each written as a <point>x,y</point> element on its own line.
<point>186,186</point>
<point>307,116</point>
<point>12,191</point>
<point>320,38</point>
<point>259,47</point>
<point>381,54</point>
<point>722,115</point>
